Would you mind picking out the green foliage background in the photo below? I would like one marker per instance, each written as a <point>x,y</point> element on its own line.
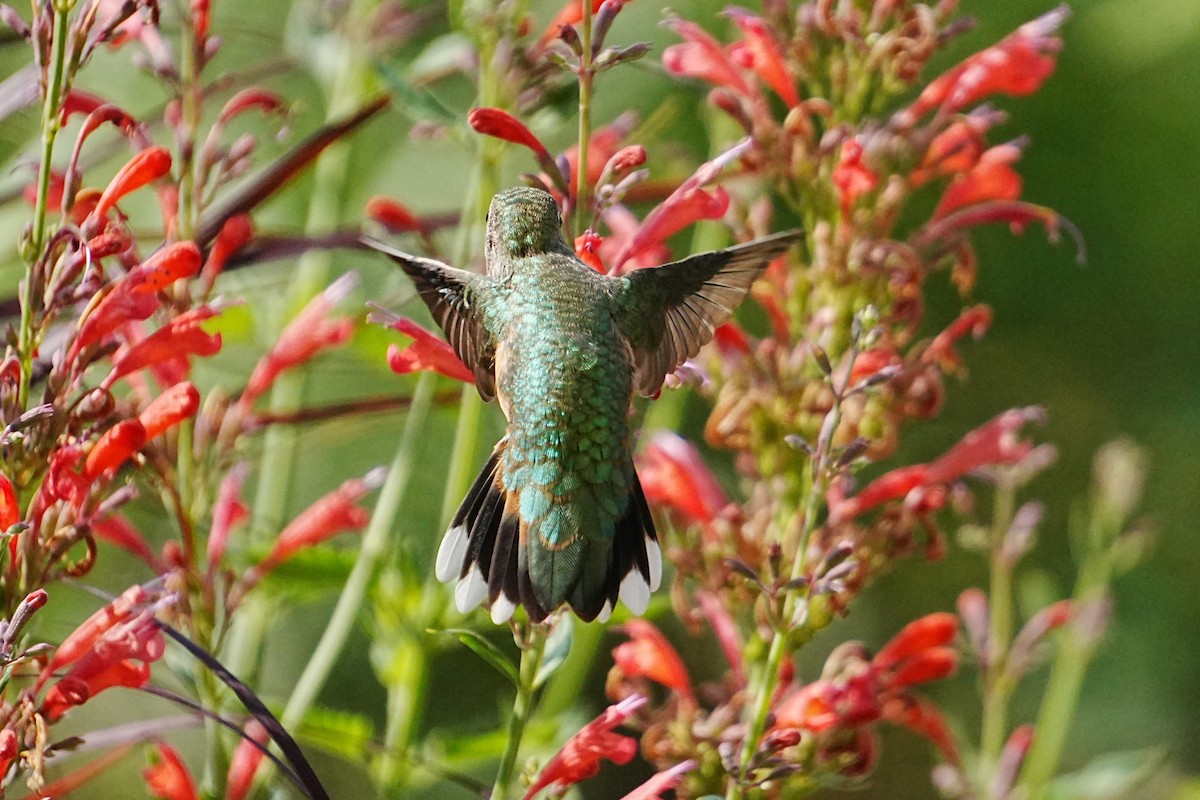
<point>1110,348</point>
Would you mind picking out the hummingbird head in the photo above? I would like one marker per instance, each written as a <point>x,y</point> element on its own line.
<point>522,221</point>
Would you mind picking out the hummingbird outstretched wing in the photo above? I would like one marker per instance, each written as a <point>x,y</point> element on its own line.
<point>668,313</point>
<point>446,291</point>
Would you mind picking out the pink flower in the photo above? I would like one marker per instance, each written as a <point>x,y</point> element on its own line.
<point>427,352</point>
<point>580,757</point>
<point>587,248</point>
<point>701,56</point>
<point>235,234</point>
<point>228,511</point>
<point>1017,65</point>
<point>661,782</point>
<point>117,530</point>
<point>673,474</point>
<point>309,332</point>
<point>10,509</point>
<point>648,654</point>
<point>761,52</point>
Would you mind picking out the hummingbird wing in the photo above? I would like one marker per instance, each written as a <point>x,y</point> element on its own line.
<point>668,313</point>
<point>446,291</point>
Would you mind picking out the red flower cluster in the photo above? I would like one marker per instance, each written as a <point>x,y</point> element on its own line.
<point>579,759</point>
<point>855,692</point>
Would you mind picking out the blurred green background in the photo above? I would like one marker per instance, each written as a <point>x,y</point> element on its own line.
<point>1109,348</point>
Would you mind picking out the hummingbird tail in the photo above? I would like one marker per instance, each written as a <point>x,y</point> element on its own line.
<point>486,547</point>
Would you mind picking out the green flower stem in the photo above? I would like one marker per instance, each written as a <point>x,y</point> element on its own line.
<point>531,662</point>
<point>370,556</point>
<point>586,77</point>
<point>55,88</point>
<point>1071,658</point>
<point>997,682</point>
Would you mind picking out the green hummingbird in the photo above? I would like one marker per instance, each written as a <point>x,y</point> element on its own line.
<point>557,515</point>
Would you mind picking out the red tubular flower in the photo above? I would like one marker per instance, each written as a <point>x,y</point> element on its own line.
<point>686,205</point>
<point>55,195</point>
<point>235,234</point>
<point>164,267</point>
<point>731,339</point>
<point>580,757</point>
<point>1017,65</point>
<point>114,448</point>
<point>245,761</point>
<point>648,654</point>
<point>168,778</point>
<point>852,177</point>
<point>924,719</point>
<point>117,530</point>
<point>569,14</point>
<point>993,443</point>
<point>932,630</point>
<point>119,306</point>
<point>673,474</point>
<point>661,782</point>
<point>310,332</point>
<point>974,321</point>
<point>85,636</point>
<point>324,519</point>
<point>701,56</point>
<point>147,166</point>
<point>502,125</point>
<point>992,178</point>
<point>121,656</point>
<point>760,51</point>
<point>587,248</point>
<point>179,338</point>
<point>427,352</point>
<point>228,511</point>
<point>10,509</point>
<point>393,215</point>
<point>173,406</point>
<point>248,99</point>
<point>603,148</point>
<point>10,748</point>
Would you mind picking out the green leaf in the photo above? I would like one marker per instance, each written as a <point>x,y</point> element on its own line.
<point>1112,776</point>
<point>416,104</point>
<point>339,732</point>
<point>488,651</point>
<point>558,647</point>
<point>310,572</point>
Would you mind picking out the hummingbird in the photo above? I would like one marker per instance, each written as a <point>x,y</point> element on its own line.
<point>557,514</point>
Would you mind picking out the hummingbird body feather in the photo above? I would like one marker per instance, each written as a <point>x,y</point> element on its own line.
<point>557,515</point>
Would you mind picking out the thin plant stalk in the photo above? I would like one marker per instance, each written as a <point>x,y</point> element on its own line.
<point>534,647</point>
<point>997,682</point>
<point>586,78</point>
<point>370,557</point>
<point>56,86</point>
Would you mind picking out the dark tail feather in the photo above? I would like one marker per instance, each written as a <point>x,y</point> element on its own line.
<point>484,552</point>
<point>635,568</point>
